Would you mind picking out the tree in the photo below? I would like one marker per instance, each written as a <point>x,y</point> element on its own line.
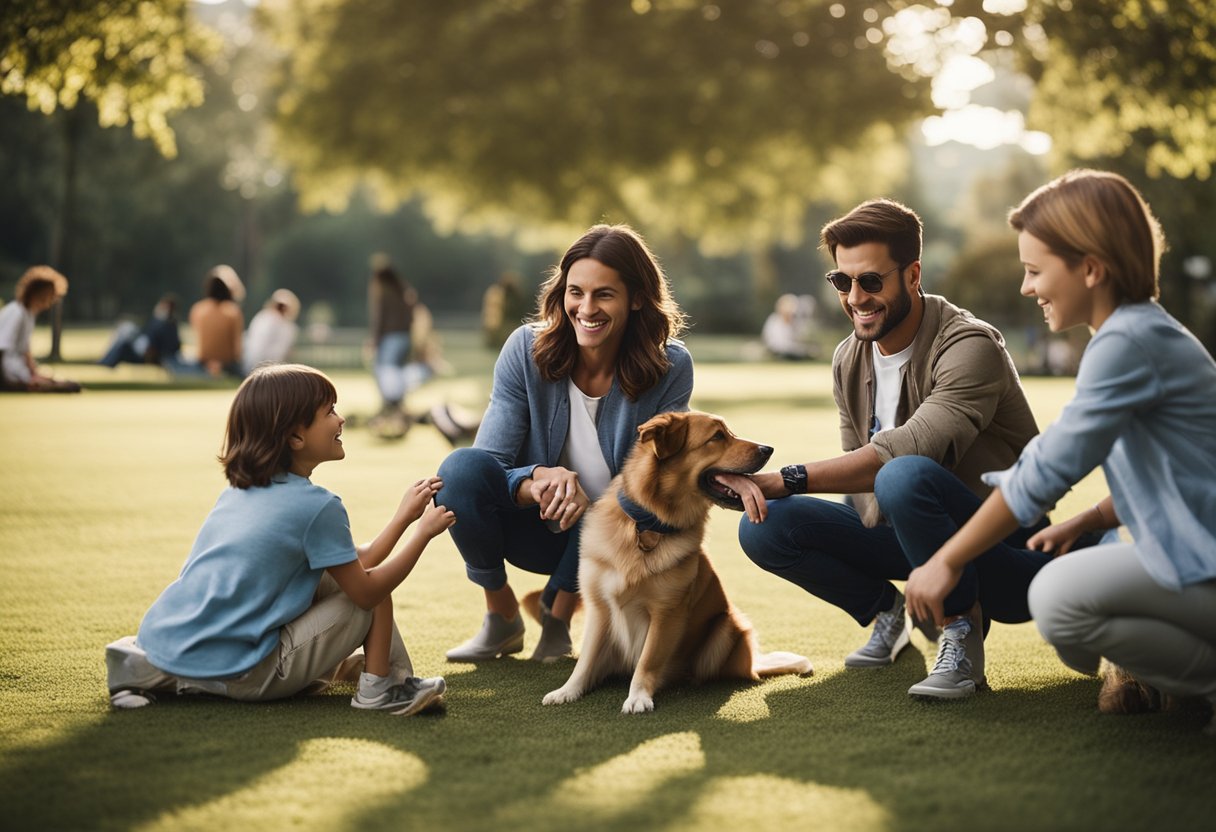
<point>1130,86</point>
<point>1113,73</point>
<point>135,60</point>
<point>713,122</point>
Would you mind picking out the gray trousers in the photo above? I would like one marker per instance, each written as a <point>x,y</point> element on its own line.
<point>314,651</point>
<point>1099,602</point>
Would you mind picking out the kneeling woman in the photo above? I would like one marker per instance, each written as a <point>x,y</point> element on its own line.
<point>570,390</point>
<point>1144,410</point>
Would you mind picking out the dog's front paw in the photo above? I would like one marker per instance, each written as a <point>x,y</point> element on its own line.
<point>638,703</point>
<point>561,696</point>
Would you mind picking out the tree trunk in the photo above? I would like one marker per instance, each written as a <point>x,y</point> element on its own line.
<point>63,232</point>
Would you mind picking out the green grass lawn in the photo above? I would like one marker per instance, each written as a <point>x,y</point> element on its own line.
<point>101,495</point>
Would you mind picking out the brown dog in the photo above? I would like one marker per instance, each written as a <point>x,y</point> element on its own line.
<point>655,607</point>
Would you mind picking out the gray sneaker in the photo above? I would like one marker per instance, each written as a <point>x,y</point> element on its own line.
<point>497,637</point>
<point>958,671</point>
<point>409,697</point>
<point>890,635</point>
<point>554,639</point>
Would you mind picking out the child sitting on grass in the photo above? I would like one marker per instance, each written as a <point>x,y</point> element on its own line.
<point>275,595</point>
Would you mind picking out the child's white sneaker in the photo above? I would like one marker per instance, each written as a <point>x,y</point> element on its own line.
<point>409,697</point>
<point>128,698</point>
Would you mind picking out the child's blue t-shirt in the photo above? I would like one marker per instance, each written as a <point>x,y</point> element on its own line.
<point>254,567</point>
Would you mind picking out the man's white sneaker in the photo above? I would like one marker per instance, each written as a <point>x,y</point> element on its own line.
<point>958,671</point>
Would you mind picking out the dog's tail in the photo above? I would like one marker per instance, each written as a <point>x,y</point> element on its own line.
<point>531,604</point>
<point>780,663</point>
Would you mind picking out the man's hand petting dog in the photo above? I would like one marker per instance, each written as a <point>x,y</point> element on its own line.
<point>746,489</point>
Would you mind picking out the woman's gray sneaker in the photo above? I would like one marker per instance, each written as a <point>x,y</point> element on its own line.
<point>497,637</point>
<point>554,640</point>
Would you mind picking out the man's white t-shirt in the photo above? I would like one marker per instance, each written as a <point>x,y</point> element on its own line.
<point>888,380</point>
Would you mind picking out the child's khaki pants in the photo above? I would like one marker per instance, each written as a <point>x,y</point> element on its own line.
<point>314,651</point>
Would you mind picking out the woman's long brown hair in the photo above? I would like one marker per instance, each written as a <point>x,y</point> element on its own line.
<point>643,357</point>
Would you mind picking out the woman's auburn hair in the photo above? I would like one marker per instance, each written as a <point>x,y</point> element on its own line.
<point>270,405</point>
<point>1093,213</point>
<point>642,361</point>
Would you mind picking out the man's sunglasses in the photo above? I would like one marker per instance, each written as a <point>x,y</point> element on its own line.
<point>870,282</point>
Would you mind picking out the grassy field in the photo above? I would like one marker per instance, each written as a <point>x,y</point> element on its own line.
<point>102,493</point>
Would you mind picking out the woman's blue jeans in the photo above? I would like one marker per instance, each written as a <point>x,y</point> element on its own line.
<point>491,531</point>
<point>823,547</point>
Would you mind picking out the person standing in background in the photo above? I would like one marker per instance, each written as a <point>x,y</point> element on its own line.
<point>390,311</point>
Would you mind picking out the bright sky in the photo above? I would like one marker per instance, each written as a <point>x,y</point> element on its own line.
<point>925,37</point>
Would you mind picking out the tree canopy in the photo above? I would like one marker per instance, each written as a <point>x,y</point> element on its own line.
<point>1111,74</point>
<point>684,116</point>
<point>136,60</point>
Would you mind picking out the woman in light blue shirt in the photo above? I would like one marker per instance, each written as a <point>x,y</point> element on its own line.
<point>1145,409</point>
<point>570,391</point>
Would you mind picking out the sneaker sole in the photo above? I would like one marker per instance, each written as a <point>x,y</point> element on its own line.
<point>855,661</point>
<point>947,693</point>
<point>422,701</point>
<point>130,698</point>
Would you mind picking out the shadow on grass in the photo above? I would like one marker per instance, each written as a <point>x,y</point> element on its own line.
<point>850,748</point>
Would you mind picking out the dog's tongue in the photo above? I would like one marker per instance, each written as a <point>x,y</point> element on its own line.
<point>721,483</point>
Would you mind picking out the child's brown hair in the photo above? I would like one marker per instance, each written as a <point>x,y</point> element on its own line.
<point>40,279</point>
<point>271,403</point>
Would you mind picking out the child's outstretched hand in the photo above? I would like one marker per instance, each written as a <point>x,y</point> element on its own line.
<point>417,497</point>
<point>435,521</point>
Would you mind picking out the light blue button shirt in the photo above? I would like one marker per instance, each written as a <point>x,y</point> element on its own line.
<point>1145,409</point>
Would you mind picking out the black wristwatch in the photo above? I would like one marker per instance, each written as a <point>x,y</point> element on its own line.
<point>794,477</point>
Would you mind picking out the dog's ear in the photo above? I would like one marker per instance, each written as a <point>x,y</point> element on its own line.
<point>667,433</point>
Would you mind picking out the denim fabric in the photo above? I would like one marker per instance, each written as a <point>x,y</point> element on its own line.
<point>824,548</point>
<point>526,422</point>
<point>492,531</point>
<point>1144,409</point>
<point>926,505</point>
<point>391,356</point>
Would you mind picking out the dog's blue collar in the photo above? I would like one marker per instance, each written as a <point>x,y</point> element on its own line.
<point>643,518</point>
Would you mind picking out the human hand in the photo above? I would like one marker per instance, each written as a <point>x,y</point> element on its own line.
<point>927,588</point>
<point>417,497</point>
<point>435,521</point>
<point>1056,539</point>
<point>749,493</point>
<point>559,495</point>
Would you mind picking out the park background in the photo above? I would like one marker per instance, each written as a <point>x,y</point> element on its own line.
<point>141,143</point>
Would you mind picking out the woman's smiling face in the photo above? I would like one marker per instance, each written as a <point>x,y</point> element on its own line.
<point>1059,289</point>
<point>597,304</point>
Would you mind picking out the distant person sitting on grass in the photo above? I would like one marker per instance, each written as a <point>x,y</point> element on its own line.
<point>1144,410</point>
<point>218,323</point>
<point>275,597</point>
<point>158,342</point>
<point>272,332</point>
<point>38,290</point>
